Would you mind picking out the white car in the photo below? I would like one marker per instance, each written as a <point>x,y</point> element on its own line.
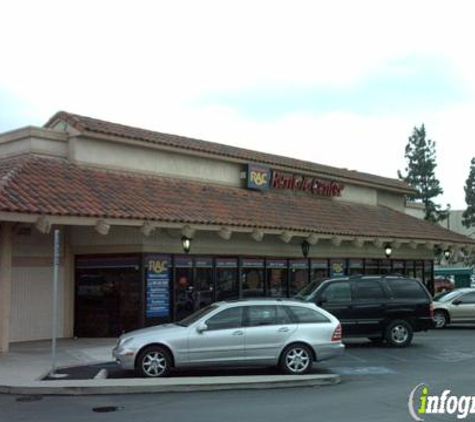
<point>454,306</point>
<point>284,332</point>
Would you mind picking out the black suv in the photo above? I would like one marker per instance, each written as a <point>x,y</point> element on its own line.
<point>381,308</point>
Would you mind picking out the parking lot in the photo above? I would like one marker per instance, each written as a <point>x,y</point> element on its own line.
<point>376,383</point>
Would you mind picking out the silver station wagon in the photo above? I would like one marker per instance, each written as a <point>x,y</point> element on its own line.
<point>282,332</point>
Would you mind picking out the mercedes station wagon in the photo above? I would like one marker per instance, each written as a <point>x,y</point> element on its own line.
<point>281,332</point>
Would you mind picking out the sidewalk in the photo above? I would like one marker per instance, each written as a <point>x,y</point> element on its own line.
<point>22,369</point>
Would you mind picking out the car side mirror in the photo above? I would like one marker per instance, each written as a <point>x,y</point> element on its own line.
<point>456,302</point>
<point>201,328</point>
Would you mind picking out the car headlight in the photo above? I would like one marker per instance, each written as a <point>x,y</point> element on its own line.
<point>123,343</point>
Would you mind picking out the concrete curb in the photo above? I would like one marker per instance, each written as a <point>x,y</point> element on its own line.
<point>168,385</point>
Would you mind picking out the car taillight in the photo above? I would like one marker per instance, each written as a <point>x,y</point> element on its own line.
<point>431,310</point>
<point>337,333</point>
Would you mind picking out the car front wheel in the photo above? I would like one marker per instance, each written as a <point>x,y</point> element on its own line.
<point>399,333</point>
<point>154,362</point>
<point>440,319</point>
<point>296,359</point>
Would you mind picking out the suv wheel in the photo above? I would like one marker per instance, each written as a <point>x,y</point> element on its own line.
<point>296,359</point>
<point>399,333</point>
<point>154,362</point>
<point>440,319</point>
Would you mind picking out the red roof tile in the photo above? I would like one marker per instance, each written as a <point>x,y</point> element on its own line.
<point>50,186</point>
<point>88,124</point>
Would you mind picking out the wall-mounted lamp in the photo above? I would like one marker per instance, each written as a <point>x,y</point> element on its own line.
<point>305,248</point>
<point>447,253</point>
<point>388,250</point>
<point>186,243</point>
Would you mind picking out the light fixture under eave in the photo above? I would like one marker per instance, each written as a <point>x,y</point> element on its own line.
<point>447,253</point>
<point>305,248</point>
<point>388,250</point>
<point>186,243</point>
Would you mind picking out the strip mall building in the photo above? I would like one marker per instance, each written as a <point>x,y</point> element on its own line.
<point>125,199</point>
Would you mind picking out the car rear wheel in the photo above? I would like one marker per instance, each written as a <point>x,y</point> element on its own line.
<point>440,319</point>
<point>154,362</point>
<point>399,333</point>
<point>296,359</point>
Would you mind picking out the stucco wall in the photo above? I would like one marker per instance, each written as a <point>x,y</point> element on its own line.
<point>32,288</point>
<point>33,140</point>
<point>359,194</point>
<point>391,200</point>
<point>153,161</point>
<point>124,240</point>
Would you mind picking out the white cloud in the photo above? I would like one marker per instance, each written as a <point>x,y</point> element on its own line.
<point>144,62</point>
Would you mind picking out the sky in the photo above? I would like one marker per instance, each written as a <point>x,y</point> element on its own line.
<point>341,83</point>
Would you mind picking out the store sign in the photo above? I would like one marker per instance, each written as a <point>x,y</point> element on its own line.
<point>298,264</point>
<point>204,262</point>
<point>226,263</point>
<point>337,268</point>
<point>258,177</point>
<point>263,178</point>
<point>157,274</point>
<point>252,263</point>
<point>277,263</point>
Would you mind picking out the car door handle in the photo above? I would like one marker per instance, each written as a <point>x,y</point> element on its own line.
<point>238,333</point>
<point>283,330</point>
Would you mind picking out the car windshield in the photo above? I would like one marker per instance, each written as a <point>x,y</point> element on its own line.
<point>446,296</point>
<point>307,291</point>
<point>191,319</point>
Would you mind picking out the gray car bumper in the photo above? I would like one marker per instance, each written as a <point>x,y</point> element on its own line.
<point>125,357</point>
<point>328,351</point>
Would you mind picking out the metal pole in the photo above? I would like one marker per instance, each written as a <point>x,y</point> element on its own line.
<point>55,304</point>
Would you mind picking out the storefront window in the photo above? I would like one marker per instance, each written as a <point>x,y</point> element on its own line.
<point>252,277</point>
<point>355,266</point>
<point>319,270</point>
<point>298,275</point>
<point>385,266</point>
<point>277,278</point>
<point>419,271</point>
<point>398,268</point>
<point>371,266</point>
<point>185,289</point>
<point>204,281</point>
<point>410,269</point>
<point>429,275</point>
<point>226,279</point>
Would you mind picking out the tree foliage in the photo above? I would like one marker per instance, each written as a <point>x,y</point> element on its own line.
<point>468,216</point>
<point>420,173</point>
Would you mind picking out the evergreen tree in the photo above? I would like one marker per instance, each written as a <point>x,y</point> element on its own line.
<point>420,173</point>
<point>468,216</point>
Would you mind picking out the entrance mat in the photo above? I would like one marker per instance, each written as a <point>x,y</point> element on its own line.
<point>75,373</point>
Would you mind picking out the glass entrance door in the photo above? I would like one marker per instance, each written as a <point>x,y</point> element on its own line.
<point>107,301</point>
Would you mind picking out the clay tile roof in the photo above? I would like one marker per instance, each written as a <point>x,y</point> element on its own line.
<point>49,186</point>
<point>91,125</point>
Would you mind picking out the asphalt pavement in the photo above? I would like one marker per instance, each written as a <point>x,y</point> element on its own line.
<point>375,385</point>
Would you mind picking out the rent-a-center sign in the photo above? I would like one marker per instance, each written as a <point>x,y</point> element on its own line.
<point>262,178</point>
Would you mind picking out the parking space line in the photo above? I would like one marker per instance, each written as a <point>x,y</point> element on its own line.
<point>395,357</point>
<point>355,357</point>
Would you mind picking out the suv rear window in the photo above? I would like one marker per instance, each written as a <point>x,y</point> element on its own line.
<point>403,288</point>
